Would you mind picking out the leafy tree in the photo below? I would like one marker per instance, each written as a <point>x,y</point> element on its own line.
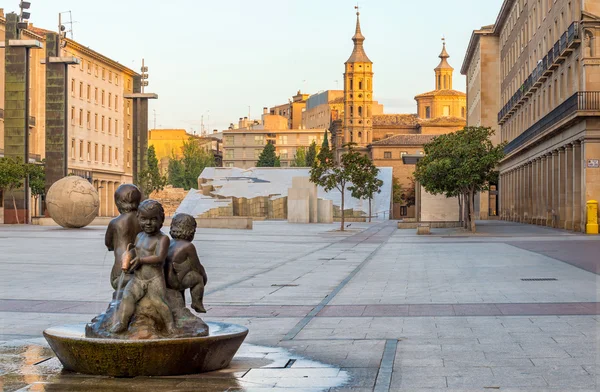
<point>267,157</point>
<point>150,179</point>
<point>311,154</point>
<point>277,162</point>
<point>300,157</point>
<point>176,172</point>
<point>325,146</point>
<point>326,173</point>
<point>12,177</point>
<point>460,164</point>
<point>184,172</point>
<point>37,178</point>
<point>325,143</point>
<point>364,181</point>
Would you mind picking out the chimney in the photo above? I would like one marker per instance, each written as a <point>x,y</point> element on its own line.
<point>265,110</point>
<point>215,131</point>
<point>241,123</point>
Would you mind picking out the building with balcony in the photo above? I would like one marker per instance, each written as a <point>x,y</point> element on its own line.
<point>549,72</point>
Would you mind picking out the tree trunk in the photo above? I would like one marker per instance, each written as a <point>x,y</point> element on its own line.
<point>472,210</point>
<point>370,210</point>
<point>460,209</point>
<point>15,207</point>
<point>342,212</point>
<point>465,211</point>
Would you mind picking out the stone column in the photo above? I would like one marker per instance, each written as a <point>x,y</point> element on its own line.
<point>102,196</point>
<point>540,185</point>
<point>500,206</point>
<point>517,194</point>
<point>535,191</point>
<point>140,126</point>
<point>568,178</point>
<point>111,199</point>
<point>16,112</point>
<point>578,203</point>
<point>522,189</point>
<point>555,188</point>
<point>562,189</point>
<point>549,188</point>
<point>57,112</point>
<point>543,190</point>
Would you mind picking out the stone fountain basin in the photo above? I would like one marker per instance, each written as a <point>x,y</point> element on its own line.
<point>152,357</point>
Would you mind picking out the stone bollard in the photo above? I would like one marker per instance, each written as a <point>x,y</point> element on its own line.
<point>423,229</point>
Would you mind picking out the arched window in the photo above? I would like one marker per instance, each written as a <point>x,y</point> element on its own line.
<point>360,136</point>
<point>439,82</point>
<point>360,111</point>
<point>462,112</point>
<point>368,111</point>
<point>360,84</point>
<point>368,84</point>
<point>351,111</point>
<point>351,84</point>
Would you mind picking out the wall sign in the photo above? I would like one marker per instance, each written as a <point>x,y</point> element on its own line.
<point>593,163</point>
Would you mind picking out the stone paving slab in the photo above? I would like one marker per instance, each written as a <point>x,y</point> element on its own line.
<point>451,305</point>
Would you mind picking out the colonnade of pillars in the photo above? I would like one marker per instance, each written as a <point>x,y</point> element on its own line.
<point>106,191</point>
<point>546,190</point>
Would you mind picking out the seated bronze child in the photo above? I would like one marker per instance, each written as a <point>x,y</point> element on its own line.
<point>183,268</point>
<point>147,263</point>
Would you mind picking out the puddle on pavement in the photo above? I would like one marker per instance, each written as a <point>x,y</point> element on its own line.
<point>30,366</point>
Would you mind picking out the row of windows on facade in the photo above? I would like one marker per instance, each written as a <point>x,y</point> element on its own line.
<point>229,140</point>
<point>529,31</point>
<point>389,155</point>
<point>102,95</point>
<point>109,123</point>
<point>542,103</point>
<point>232,164</point>
<point>109,158</point>
<point>101,71</point>
<point>282,154</point>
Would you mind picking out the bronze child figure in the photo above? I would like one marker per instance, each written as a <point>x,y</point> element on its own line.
<point>123,230</point>
<point>183,268</point>
<point>147,263</point>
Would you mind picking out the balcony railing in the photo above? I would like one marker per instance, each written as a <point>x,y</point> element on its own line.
<point>578,102</point>
<point>555,56</point>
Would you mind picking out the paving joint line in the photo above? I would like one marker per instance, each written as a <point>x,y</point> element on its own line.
<point>306,319</point>
<point>384,375</point>
<point>227,285</point>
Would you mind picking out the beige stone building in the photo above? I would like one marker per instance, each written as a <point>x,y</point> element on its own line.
<point>481,67</point>
<point>549,56</point>
<point>293,110</point>
<point>323,108</point>
<point>243,146</point>
<point>100,121</point>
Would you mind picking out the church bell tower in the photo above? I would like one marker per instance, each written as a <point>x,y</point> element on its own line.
<point>358,93</point>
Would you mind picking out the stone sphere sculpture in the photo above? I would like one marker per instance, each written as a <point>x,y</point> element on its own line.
<point>72,202</point>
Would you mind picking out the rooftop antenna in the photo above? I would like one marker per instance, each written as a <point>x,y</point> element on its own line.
<point>62,28</point>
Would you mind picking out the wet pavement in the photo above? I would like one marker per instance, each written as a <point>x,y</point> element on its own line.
<point>514,307</point>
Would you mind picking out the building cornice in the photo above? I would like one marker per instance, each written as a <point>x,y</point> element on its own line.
<point>503,16</point>
<point>475,36</point>
<point>97,56</point>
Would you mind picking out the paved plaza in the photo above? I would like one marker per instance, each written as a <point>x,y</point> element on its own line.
<point>511,308</point>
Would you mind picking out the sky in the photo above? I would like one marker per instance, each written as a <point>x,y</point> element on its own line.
<point>218,60</point>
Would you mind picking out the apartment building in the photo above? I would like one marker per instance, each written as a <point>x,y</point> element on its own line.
<point>100,121</point>
<point>243,146</point>
<point>549,72</point>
